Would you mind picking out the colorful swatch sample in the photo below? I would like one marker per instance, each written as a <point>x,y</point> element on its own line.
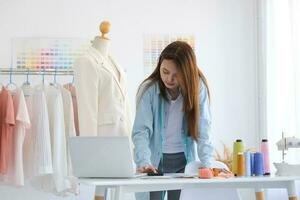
<point>46,53</point>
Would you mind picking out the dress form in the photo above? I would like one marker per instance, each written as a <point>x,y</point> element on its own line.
<point>101,43</point>
<point>100,84</point>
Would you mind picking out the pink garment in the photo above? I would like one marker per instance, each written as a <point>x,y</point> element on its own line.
<point>7,122</point>
<point>15,174</point>
<point>71,88</point>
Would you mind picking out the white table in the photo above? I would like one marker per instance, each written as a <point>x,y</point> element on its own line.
<point>143,185</point>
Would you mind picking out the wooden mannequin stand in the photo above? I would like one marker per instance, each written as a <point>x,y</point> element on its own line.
<point>104,29</point>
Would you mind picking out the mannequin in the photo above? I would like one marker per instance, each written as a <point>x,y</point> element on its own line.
<point>101,43</point>
<point>100,84</point>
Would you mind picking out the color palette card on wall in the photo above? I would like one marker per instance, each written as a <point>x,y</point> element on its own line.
<point>47,53</point>
<point>154,44</point>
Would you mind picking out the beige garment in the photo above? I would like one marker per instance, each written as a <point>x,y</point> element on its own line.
<point>71,88</point>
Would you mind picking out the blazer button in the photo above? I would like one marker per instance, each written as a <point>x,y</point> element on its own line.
<point>121,119</point>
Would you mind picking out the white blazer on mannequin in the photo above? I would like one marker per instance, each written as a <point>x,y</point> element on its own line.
<point>102,98</point>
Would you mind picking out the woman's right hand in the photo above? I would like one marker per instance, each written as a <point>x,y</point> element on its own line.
<point>147,169</point>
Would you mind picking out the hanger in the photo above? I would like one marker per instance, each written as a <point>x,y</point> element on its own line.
<point>11,85</point>
<point>54,83</point>
<point>54,79</point>
<point>27,79</point>
<point>43,76</point>
<point>1,86</point>
<point>73,80</point>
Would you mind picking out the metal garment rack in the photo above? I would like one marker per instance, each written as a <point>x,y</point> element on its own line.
<point>17,71</point>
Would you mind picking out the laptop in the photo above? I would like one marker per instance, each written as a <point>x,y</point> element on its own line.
<point>102,157</point>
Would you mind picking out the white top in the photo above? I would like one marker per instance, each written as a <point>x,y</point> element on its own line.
<point>69,132</point>
<point>58,138</point>
<point>68,112</point>
<point>37,144</point>
<point>15,174</point>
<point>172,141</point>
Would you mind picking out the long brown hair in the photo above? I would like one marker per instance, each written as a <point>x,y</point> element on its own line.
<point>184,57</point>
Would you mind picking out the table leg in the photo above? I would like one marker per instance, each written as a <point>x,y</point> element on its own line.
<point>99,198</point>
<point>259,193</point>
<point>293,198</point>
<point>99,193</point>
<point>118,193</point>
<point>292,191</point>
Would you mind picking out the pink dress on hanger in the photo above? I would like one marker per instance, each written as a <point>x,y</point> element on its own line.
<point>7,121</point>
<point>15,173</point>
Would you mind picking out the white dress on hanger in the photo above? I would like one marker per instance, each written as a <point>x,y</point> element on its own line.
<point>70,131</point>
<point>37,145</point>
<point>58,139</point>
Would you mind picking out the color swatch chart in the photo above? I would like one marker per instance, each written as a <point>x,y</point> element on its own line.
<point>47,53</point>
<point>154,44</point>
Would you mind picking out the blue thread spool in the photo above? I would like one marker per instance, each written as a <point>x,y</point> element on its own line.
<point>252,163</point>
<point>258,164</point>
<point>247,156</point>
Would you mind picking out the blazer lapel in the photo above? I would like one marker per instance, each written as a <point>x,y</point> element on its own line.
<point>103,62</point>
<point>121,72</point>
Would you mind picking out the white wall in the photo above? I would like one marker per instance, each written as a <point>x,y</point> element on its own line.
<point>225,32</point>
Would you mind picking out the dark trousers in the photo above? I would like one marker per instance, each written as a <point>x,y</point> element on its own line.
<point>172,163</point>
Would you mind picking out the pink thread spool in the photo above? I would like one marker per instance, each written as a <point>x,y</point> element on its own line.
<point>264,148</point>
<point>205,173</point>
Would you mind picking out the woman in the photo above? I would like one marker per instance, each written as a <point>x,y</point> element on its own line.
<point>172,116</point>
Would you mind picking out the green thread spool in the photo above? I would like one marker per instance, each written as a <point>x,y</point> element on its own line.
<point>238,146</point>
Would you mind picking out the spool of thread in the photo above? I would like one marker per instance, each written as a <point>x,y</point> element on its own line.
<point>252,163</point>
<point>247,156</point>
<point>238,146</point>
<point>258,164</point>
<point>205,173</point>
<point>264,148</point>
<point>240,164</point>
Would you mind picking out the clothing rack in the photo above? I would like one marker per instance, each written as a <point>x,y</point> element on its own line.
<point>17,71</point>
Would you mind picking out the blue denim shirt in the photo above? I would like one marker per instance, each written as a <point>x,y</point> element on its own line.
<point>149,123</point>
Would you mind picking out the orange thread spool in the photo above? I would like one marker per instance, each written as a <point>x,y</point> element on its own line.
<point>241,164</point>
